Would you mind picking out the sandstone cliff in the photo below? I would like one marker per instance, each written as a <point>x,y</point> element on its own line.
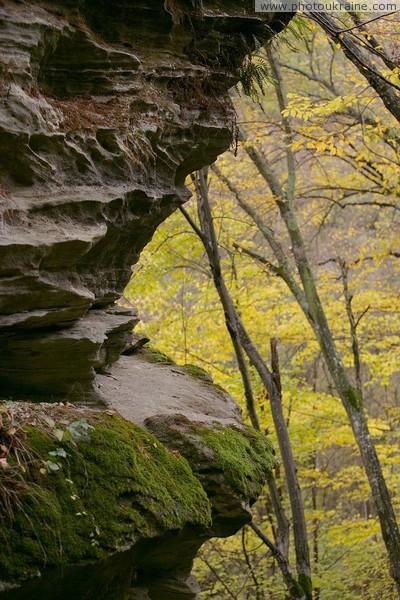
<point>105,107</point>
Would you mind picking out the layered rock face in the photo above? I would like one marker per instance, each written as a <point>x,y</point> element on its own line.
<point>105,107</point>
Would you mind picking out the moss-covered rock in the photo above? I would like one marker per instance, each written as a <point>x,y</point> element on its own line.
<point>154,355</point>
<point>90,501</point>
<point>230,462</point>
<point>244,456</point>
<point>113,486</point>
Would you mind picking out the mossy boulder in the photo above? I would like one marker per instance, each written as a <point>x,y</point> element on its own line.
<point>230,462</point>
<point>78,498</point>
<point>91,502</point>
<point>242,454</point>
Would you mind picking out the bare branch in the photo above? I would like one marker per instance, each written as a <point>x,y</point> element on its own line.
<point>357,55</point>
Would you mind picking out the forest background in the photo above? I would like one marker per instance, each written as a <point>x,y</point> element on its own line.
<point>323,135</point>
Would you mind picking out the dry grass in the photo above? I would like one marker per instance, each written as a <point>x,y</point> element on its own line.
<point>16,457</point>
<point>89,113</point>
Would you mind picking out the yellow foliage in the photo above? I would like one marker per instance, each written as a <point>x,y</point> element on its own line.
<point>346,201</point>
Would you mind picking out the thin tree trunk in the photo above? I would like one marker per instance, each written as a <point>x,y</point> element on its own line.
<point>303,587</point>
<point>315,531</point>
<point>353,323</point>
<point>257,585</point>
<point>296,501</point>
<point>295,591</point>
<point>209,240</point>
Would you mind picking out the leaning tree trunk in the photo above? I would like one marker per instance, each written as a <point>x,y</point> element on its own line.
<point>300,589</point>
<point>364,62</point>
<point>309,300</point>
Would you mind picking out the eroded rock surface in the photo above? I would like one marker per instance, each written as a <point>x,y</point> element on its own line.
<point>105,107</point>
<point>139,388</point>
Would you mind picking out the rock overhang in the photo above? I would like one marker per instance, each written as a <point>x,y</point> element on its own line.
<point>105,108</point>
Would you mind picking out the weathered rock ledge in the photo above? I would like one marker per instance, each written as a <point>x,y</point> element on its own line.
<point>105,107</point>
<point>96,507</point>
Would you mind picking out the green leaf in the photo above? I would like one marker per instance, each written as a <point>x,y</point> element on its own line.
<point>67,435</point>
<point>59,452</point>
<point>58,434</point>
<point>53,466</point>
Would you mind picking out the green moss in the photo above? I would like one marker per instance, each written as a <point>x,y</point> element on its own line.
<point>154,355</point>
<point>117,486</point>
<point>198,373</point>
<point>244,455</point>
<point>306,585</point>
<point>354,397</point>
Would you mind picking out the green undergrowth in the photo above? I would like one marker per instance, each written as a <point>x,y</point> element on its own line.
<point>115,486</point>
